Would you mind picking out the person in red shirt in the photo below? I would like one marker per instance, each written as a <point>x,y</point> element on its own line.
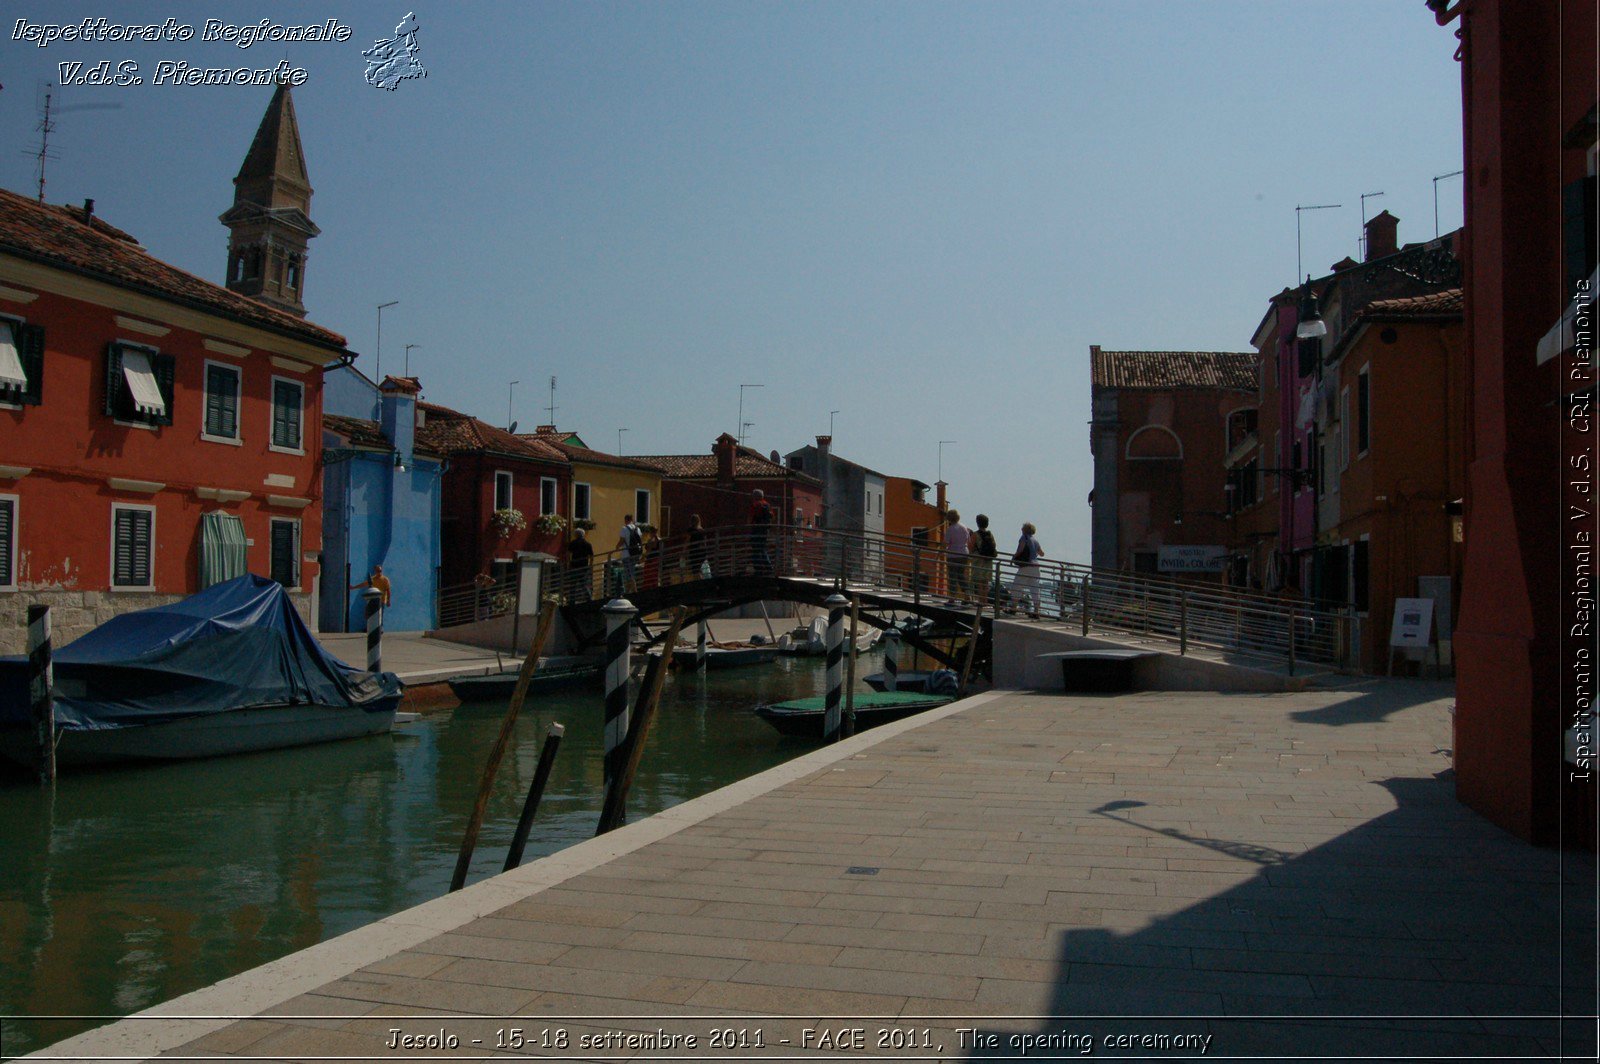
<point>761,520</point>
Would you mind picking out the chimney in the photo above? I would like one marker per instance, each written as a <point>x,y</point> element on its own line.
<point>938,497</point>
<point>545,430</point>
<point>726,448</point>
<point>824,473</point>
<point>1383,232</point>
<point>88,213</point>
<point>397,417</point>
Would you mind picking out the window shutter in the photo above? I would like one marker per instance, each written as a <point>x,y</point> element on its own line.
<point>115,386</point>
<point>214,379</point>
<point>131,567</point>
<point>8,514</point>
<point>30,347</point>
<point>165,368</point>
<point>283,567</point>
<point>286,400</point>
<point>141,547</point>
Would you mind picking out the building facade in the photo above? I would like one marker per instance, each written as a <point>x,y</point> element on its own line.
<point>853,504</point>
<point>719,487</point>
<point>607,489</point>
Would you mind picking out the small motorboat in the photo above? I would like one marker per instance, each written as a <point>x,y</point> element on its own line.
<point>803,717</point>
<point>230,670</point>
<point>812,640</point>
<point>726,655</point>
<point>938,681</point>
<point>500,685</point>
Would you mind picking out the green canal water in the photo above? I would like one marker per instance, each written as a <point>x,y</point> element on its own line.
<point>124,887</point>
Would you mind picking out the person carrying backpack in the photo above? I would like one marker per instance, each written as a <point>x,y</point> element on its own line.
<point>630,542</point>
<point>981,550</point>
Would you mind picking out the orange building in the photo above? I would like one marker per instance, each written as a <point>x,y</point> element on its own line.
<point>908,517</point>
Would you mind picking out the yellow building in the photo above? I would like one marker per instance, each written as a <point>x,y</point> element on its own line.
<point>606,488</point>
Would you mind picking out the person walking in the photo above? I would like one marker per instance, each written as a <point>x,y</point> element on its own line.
<point>957,539</point>
<point>629,548</point>
<point>761,519</point>
<point>580,556</point>
<point>981,553</point>
<point>1025,585</point>
<point>699,553</point>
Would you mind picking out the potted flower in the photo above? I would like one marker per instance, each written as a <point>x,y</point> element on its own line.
<point>550,524</point>
<point>585,524</point>
<point>504,522</point>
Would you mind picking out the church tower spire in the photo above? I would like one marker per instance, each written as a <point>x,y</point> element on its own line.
<point>270,221</point>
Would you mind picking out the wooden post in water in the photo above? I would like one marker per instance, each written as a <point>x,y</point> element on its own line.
<point>972,651</point>
<point>530,806</point>
<point>618,613</point>
<point>374,629</point>
<point>847,726</point>
<point>469,841</point>
<point>614,810</point>
<point>41,690</point>
<point>700,646</point>
<point>831,713</point>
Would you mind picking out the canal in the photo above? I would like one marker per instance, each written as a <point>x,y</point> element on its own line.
<point>125,887</point>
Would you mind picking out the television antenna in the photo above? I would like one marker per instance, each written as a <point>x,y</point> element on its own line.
<point>47,125</point>
<point>552,407</point>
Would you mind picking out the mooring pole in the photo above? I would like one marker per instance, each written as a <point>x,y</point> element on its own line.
<point>700,646</point>
<point>374,629</point>
<point>891,659</point>
<point>41,685</point>
<point>613,810</point>
<point>618,612</point>
<point>541,776</point>
<point>837,604</point>
<point>848,725</point>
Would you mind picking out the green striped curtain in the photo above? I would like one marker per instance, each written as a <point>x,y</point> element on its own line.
<point>223,554</point>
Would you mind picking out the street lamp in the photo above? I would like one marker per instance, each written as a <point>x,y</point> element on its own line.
<point>511,391</point>
<point>941,457</point>
<point>408,357</point>
<point>740,422</point>
<point>378,371</point>
<point>830,423</point>
<point>1310,325</point>
<point>619,440</point>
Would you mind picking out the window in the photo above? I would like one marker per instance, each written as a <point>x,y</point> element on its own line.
<point>580,502</point>
<point>1344,429</point>
<point>222,402</point>
<point>133,533</point>
<point>287,399</point>
<point>1363,411</point>
<point>285,558</point>
<point>1359,561</point>
<point>1247,484</point>
<point>21,363</point>
<point>294,274</point>
<point>641,506</point>
<point>797,462</point>
<point>547,495</point>
<point>139,384</point>
<point>8,542</point>
<point>502,490</point>
<point>1144,561</point>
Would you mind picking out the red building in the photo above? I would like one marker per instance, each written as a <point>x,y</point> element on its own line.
<point>136,398</point>
<point>719,487</point>
<point>491,475</point>
<point>1159,435</point>
<point>1525,735</point>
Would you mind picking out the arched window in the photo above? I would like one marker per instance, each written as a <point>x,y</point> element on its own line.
<point>1154,441</point>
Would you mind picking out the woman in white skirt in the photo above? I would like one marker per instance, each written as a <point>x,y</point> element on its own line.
<point>1025,585</point>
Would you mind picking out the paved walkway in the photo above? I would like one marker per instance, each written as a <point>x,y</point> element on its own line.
<point>415,658</point>
<point>1184,874</point>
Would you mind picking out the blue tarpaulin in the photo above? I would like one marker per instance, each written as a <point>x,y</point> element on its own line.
<point>235,645</point>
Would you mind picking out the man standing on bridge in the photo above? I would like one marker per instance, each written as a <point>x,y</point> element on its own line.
<point>761,519</point>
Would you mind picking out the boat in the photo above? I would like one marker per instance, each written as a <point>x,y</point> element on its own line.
<point>726,655</point>
<point>812,640</point>
<point>802,717</point>
<point>943,681</point>
<point>230,670</point>
<point>500,685</point>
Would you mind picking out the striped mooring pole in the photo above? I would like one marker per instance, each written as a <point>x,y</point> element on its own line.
<point>891,660</point>
<point>832,715</point>
<point>41,682</point>
<point>700,646</point>
<point>374,629</point>
<point>619,614</point>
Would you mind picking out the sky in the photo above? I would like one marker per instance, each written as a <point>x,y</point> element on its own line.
<point>919,215</point>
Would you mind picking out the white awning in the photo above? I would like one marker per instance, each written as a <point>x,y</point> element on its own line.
<point>142,384</point>
<point>11,375</point>
<point>1562,336</point>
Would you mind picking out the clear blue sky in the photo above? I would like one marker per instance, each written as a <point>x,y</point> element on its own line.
<point>918,214</point>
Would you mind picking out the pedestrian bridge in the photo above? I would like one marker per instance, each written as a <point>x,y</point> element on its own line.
<point>890,578</point>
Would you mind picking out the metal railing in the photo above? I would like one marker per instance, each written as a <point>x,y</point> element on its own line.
<point>465,603</point>
<point>1187,613</point>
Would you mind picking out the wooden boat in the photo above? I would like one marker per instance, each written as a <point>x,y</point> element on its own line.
<point>500,685</point>
<point>803,717</point>
<point>812,641</point>
<point>228,671</point>
<point>726,655</point>
<point>915,681</point>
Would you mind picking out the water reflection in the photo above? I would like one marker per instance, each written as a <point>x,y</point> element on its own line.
<point>125,887</point>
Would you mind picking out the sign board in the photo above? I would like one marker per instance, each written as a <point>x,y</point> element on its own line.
<point>1413,621</point>
<point>1191,559</point>
<point>530,577</point>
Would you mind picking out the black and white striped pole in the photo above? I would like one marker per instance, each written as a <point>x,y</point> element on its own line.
<point>374,629</point>
<point>41,682</point>
<point>700,647</point>
<point>619,614</point>
<point>891,659</point>
<point>832,715</point>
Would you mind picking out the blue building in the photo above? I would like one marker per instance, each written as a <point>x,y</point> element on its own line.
<point>380,501</point>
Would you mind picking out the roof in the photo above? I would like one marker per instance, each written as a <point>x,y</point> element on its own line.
<point>452,432</point>
<point>1231,370</point>
<point>275,152</point>
<point>747,463</point>
<point>576,453</point>
<point>57,236</point>
<point>359,432</point>
<point>1449,303</point>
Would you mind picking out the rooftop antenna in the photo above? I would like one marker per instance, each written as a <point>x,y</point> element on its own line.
<point>1362,243</point>
<point>552,407</point>
<point>1441,177</point>
<point>46,126</point>
<point>1297,209</point>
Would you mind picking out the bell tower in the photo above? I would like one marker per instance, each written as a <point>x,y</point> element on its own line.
<point>270,221</point>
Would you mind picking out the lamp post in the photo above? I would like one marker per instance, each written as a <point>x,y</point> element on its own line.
<point>941,458</point>
<point>619,440</point>
<point>408,358</point>
<point>378,371</point>
<point>1441,177</point>
<point>511,391</point>
<point>830,423</point>
<point>740,422</point>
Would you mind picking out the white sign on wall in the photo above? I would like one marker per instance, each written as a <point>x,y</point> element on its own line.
<point>1191,559</point>
<point>1413,622</point>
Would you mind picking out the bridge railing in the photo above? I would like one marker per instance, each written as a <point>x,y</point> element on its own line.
<point>465,603</point>
<point>1189,613</point>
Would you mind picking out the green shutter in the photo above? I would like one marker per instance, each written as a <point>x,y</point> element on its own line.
<point>222,402</point>
<point>115,386</point>
<point>131,567</point>
<point>30,348</point>
<point>8,532</point>
<point>287,398</point>
<point>284,570</point>
<point>165,369</point>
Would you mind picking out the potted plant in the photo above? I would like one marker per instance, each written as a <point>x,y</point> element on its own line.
<point>550,524</point>
<point>504,522</point>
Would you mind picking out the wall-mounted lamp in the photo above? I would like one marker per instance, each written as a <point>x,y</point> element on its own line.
<point>1310,326</point>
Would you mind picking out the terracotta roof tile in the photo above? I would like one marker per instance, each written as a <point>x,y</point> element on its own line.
<point>1451,301</point>
<point>584,454</point>
<point>359,432</point>
<point>452,432</point>
<point>747,463</point>
<point>58,237</point>
<point>1231,370</point>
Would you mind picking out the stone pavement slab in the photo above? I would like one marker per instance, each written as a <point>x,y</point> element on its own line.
<point>1282,876</point>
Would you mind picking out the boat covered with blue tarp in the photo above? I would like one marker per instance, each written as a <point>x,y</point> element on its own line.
<point>231,669</point>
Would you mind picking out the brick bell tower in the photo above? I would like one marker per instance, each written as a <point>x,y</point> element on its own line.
<point>270,221</point>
